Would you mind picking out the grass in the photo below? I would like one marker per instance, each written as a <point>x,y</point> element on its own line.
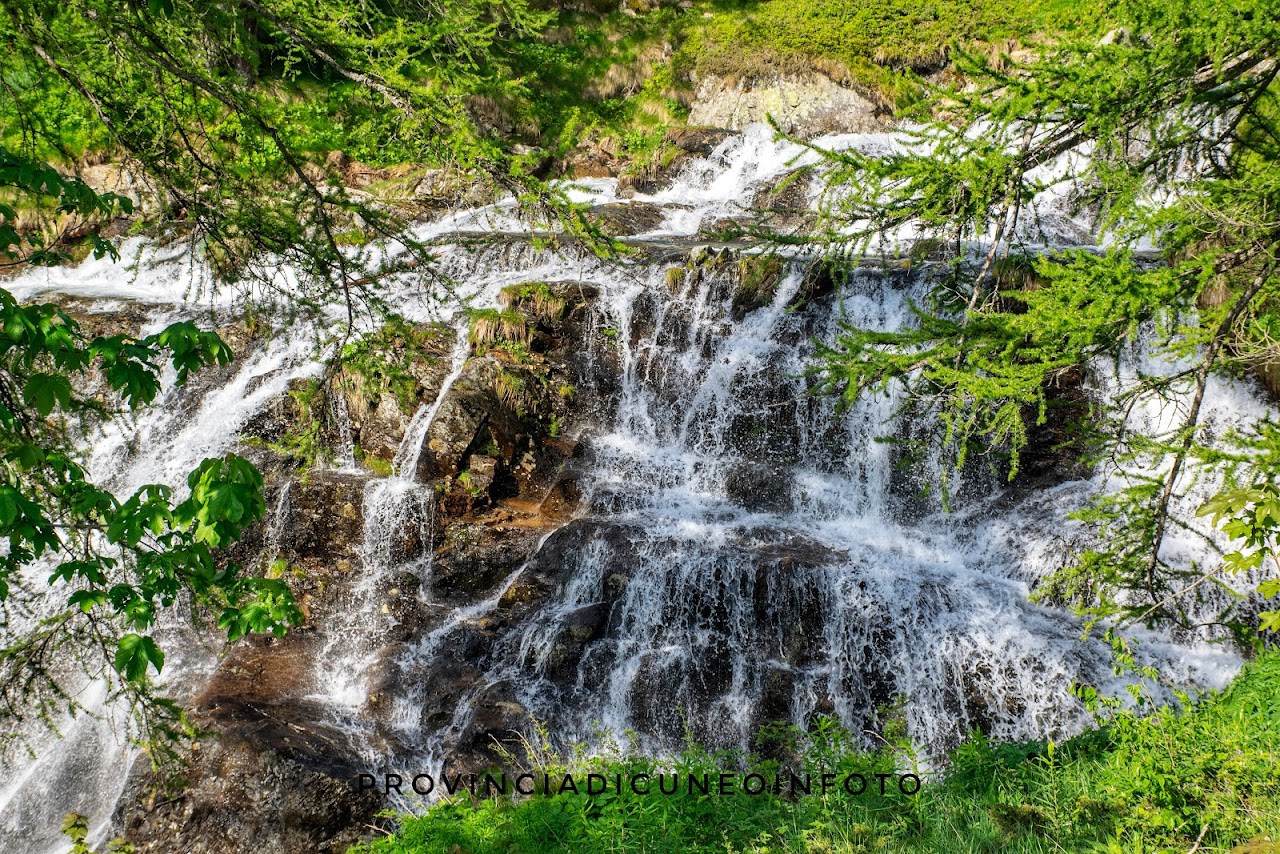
<point>1139,784</point>
<point>872,43</point>
<point>609,78</point>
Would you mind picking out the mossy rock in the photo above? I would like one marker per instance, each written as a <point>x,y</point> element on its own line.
<point>758,280</point>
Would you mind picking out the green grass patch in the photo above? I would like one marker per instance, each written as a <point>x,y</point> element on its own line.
<point>873,42</point>
<point>1153,783</point>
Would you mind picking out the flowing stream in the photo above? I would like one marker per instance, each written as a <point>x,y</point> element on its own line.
<point>745,551</point>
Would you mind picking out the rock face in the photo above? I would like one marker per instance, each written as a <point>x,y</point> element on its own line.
<point>380,395</point>
<point>274,772</point>
<point>524,570</point>
<point>805,105</point>
<point>783,203</point>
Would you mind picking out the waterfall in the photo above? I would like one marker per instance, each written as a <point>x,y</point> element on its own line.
<point>744,550</point>
<point>84,767</point>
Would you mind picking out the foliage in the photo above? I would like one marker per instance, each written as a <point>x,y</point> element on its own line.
<point>22,178</point>
<point>536,298</point>
<point>115,562</point>
<point>301,442</point>
<point>491,326</point>
<point>551,79</point>
<point>1252,517</point>
<point>1163,132</point>
<point>205,101</point>
<point>76,828</point>
<point>383,359</point>
<point>873,42</point>
<point>119,561</point>
<point>1154,783</point>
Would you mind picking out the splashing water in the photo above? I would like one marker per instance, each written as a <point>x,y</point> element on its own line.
<point>746,551</point>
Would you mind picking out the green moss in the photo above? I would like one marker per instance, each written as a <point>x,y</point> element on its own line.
<point>758,280</point>
<point>377,465</point>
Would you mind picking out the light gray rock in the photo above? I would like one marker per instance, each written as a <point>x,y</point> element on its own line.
<point>806,105</point>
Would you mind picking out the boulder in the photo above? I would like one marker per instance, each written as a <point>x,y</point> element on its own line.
<point>683,146</point>
<point>783,202</point>
<point>806,105</point>
<point>246,792</point>
<point>470,418</point>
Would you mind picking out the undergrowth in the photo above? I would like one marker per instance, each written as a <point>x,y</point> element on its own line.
<point>1204,778</point>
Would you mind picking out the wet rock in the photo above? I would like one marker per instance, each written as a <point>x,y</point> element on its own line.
<point>651,696</point>
<point>615,584</point>
<point>1053,453</point>
<point>758,487</point>
<point>244,796</point>
<point>381,430</point>
<point>472,490</point>
<point>683,146</point>
<point>820,280</point>
<point>698,141</point>
<point>565,496</point>
<point>757,280</point>
<point>498,725</point>
<point>588,622</point>
<point>624,219</point>
<point>270,775</point>
<point>783,202</point>
<point>476,557</point>
<point>471,418</point>
<point>380,394</point>
<point>324,516</point>
<point>777,687</point>
<point>725,228</point>
<point>787,550</point>
<point>555,559</point>
<point>483,470</point>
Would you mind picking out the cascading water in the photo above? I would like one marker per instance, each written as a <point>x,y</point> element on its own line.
<point>749,552</point>
<point>744,551</point>
<point>84,769</point>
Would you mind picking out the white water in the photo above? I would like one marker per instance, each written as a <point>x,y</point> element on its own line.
<point>827,584</point>
<point>85,770</point>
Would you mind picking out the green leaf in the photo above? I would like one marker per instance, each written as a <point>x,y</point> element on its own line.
<point>133,655</point>
<point>45,391</point>
<point>87,600</point>
<point>8,506</point>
